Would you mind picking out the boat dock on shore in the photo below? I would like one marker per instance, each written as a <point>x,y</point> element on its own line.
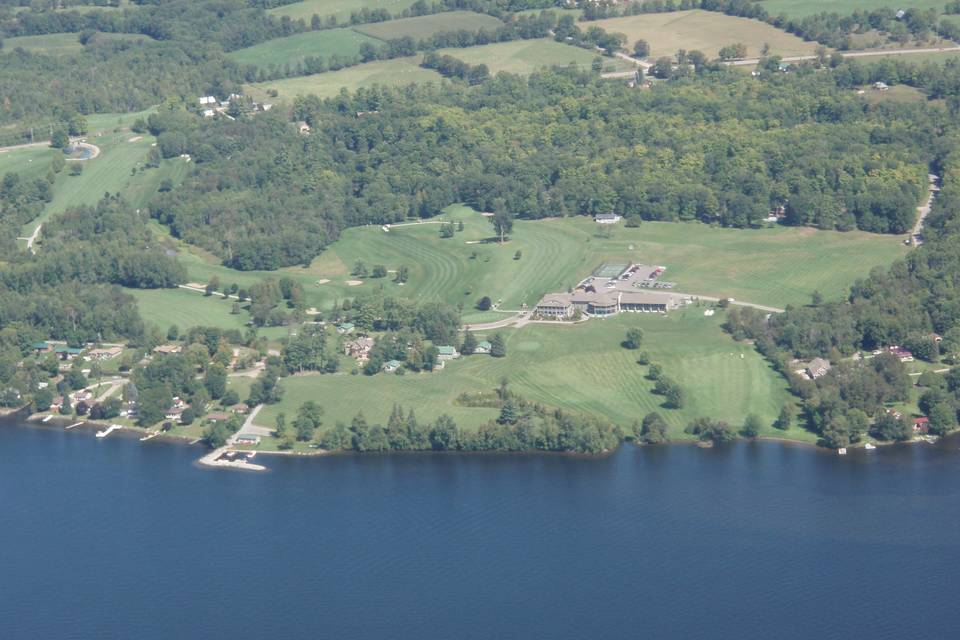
<point>108,430</point>
<point>225,457</point>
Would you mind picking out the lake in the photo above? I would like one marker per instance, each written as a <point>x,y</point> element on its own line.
<point>117,539</point>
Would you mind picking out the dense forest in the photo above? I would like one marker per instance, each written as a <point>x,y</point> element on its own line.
<point>713,146</point>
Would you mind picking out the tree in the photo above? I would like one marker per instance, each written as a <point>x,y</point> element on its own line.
<point>676,397</point>
<point>309,418</point>
<point>215,380</point>
<point>943,418</point>
<point>733,51</point>
<point>752,426</point>
<point>212,285</point>
<point>359,269</point>
<point>597,64</point>
<point>484,303</point>
<point>60,139</point>
<point>502,224</point>
<point>785,420</point>
<point>518,255</point>
<point>662,68</point>
<point>444,435</point>
<point>641,49</point>
<point>469,343</point>
<point>188,416</point>
<point>634,338</point>
<point>653,429</point>
<point>498,347</point>
<point>403,273</point>
<point>379,271</point>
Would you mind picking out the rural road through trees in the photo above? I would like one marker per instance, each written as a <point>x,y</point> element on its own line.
<point>851,54</point>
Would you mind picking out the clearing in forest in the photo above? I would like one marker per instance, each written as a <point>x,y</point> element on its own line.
<point>526,56</point>
<point>393,73</point>
<point>294,49</point>
<point>340,8</point>
<point>804,8</point>
<point>706,31</point>
<point>425,26</point>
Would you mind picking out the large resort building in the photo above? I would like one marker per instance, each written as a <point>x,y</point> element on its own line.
<point>618,294</point>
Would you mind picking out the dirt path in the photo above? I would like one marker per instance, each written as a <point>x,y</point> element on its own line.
<point>916,235</point>
<point>852,54</point>
<point>33,238</point>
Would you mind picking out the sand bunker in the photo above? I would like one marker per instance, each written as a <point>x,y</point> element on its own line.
<point>353,283</point>
<point>323,280</point>
<point>135,139</point>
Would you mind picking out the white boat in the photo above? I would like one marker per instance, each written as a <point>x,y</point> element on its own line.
<point>869,447</point>
<point>842,451</point>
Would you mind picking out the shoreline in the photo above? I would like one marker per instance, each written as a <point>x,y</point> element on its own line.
<point>212,459</point>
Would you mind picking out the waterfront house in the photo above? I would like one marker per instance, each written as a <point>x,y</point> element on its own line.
<point>248,439</point>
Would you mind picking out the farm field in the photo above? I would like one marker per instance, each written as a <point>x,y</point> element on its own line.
<point>426,26</point>
<point>704,30</point>
<point>773,266</point>
<point>548,363</point>
<point>57,44</point>
<point>526,56</point>
<point>339,8</point>
<point>294,49</point>
<point>393,73</point>
<point>803,8</point>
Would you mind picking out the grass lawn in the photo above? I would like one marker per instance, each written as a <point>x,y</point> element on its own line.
<point>706,31</point>
<point>58,44</point>
<point>526,56</point>
<point>398,72</point>
<point>293,49</point>
<point>774,266</point>
<point>110,171</point>
<point>339,8</point>
<point>165,307</point>
<point>426,26</point>
<point>803,8</point>
<point>29,162</point>
<point>550,364</point>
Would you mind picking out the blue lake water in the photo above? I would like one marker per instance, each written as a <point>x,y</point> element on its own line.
<point>117,539</point>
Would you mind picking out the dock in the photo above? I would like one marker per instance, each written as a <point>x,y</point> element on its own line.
<point>48,418</point>
<point>225,457</point>
<point>75,424</point>
<point>108,430</point>
<point>153,434</point>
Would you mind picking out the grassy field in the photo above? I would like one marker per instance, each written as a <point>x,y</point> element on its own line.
<point>526,56</point>
<point>58,44</point>
<point>165,307</point>
<point>398,72</point>
<point>339,8</point>
<point>293,49</point>
<point>774,266</point>
<point>426,26</point>
<point>110,171</point>
<point>803,8</point>
<point>549,363</point>
<point>29,162</point>
<point>706,31</point>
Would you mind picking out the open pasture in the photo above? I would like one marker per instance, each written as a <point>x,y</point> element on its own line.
<point>803,8</point>
<point>58,44</point>
<point>425,26</point>
<point>391,73</point>
<point>550,364</point>
<point>341,9</point>
<point>526,56</point>
<point>295,48</point>
<point>706,31</point>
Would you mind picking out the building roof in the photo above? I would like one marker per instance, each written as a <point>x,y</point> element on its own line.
<point>483,344</point>
<point>41,345</point>
<point>345,325</point>
<point>645,297</point>
<point>818,364</point>
<point>393,364</point>
<point>218,416</point>
<point>606,216</point>
<point>70,350</point>
<point>447,350</point>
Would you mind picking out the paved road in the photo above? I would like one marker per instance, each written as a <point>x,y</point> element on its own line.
<point>249,428</point>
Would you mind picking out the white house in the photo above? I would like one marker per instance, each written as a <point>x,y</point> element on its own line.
<point>606,218</point>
